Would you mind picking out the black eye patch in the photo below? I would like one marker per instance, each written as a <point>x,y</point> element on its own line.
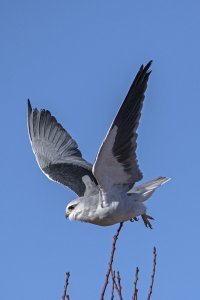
<point>71,207</point>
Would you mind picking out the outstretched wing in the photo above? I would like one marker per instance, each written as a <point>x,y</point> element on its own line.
<point>57,154</point>
<point>116,161</point>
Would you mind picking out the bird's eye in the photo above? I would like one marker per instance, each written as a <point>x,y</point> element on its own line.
<point>71,207</point>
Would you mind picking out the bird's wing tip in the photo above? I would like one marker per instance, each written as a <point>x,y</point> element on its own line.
<point>29,105</point>
<point>164,179</point>
<point>148,65</point>
<point>145,68</point>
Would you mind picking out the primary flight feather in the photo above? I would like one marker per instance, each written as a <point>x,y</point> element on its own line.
<point>106,190</point>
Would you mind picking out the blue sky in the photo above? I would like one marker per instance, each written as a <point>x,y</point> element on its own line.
<point>78,59</point>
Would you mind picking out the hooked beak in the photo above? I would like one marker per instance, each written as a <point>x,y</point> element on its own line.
<point>66,214</point>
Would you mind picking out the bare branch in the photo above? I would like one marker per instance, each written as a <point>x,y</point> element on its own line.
<point>111,261</point>
<point>119,286</point>
<point>65,296</point>
<point>153,273</point>
<point>135,285</point>
<point>113,285</point>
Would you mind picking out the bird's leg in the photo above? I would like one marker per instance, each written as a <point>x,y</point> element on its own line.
<point>134,219</point>
<point>146,221</point>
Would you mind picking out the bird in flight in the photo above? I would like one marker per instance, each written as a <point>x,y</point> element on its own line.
<point>106,190</point>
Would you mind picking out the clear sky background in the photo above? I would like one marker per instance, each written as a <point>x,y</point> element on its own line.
<point>78,59</point>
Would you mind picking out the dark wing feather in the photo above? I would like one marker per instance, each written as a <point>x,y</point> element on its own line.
<point>117,155</point>
<point>127,120</point>
<point>56,152</point>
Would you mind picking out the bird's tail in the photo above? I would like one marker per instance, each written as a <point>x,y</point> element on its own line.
<point>148,188</point>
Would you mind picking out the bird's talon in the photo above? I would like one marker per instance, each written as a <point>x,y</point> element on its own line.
<point>150,218</point>
<point>134,219</point>
<point>146,221</point>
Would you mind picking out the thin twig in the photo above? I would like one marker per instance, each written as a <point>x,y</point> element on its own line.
<point>65,296</point>
<point>119,285</point>
<point>113,285</point>
<point>111,261</point>
<point>153,273</point>
<point>135,285</point>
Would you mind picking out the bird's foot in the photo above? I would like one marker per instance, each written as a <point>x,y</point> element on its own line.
<point>146,221</point>
<point>134,219</point>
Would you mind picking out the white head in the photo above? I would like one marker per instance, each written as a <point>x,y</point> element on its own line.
<point>83,209</point>
<point>73,209</point>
